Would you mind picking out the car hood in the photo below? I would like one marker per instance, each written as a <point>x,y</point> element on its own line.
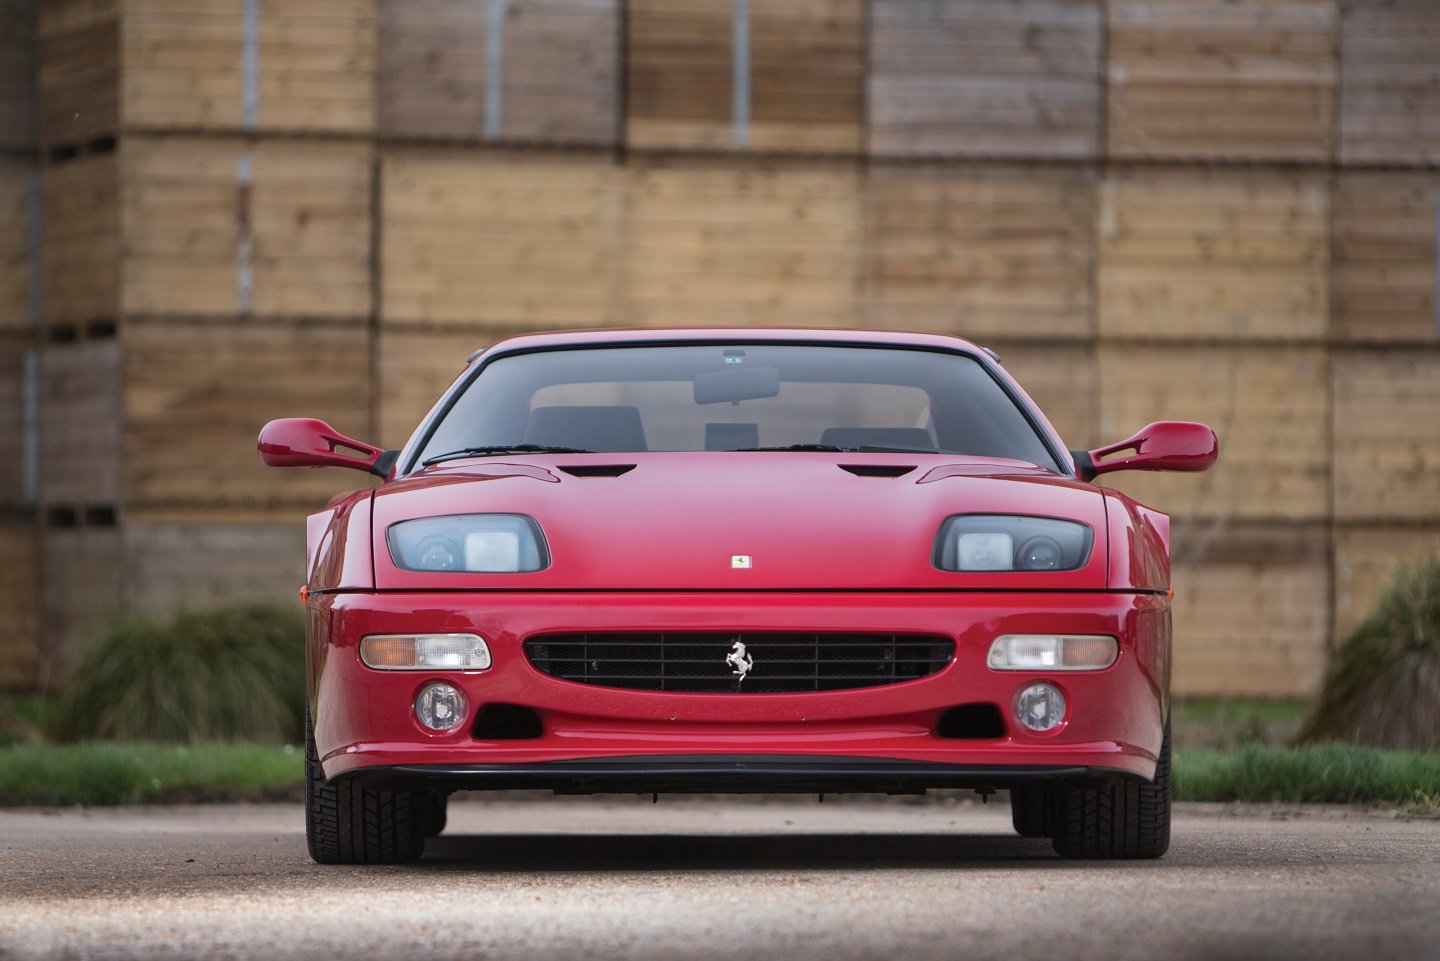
<point>675,521</point>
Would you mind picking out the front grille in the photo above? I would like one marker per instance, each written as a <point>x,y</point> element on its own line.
<point>697,663</point>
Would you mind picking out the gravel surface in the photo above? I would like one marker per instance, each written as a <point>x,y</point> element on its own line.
<point>716,878</point>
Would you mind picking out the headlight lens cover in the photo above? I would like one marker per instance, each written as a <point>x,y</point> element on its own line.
<point>469,544</point>
<point>1000,542</point>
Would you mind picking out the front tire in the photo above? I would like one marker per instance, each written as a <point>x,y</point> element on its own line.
<point>348,823</point>
<point>1123,819</point>
<point>1030,812</point>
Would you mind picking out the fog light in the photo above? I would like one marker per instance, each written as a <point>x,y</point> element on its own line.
<point>440,706</point>
<point>1040,707</point>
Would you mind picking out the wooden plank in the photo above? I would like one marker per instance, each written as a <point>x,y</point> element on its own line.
<point>1213,79</point>
<point>1213,255</point>
<point>1366,559</point>
<point>1062,380</point>
<point>20,635</point>
<point>314,66</point>
<point>81,412</point>
<point>977,78</point>
<point>1390,90</point>
<point>802,91</point>
<point>978,251</point>
<point>487,239</point>
<point>173,562</point>
<point>741,246</point>
<point>218,225</point>
<point>1268,404</point>
<point>77,75</point>
<point>81,584</point>
<point>558,78</point>
<point>197,394</point>
<point>1387,434</point>
<point>1250,612</point>
<point>1384,238</point>
<point>80,241</point>
<point>416,365</point>
<point>17,74</point>
<point>13,467</point>
<point>16,178</point>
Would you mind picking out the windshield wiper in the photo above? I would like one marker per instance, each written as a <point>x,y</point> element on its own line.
<point>819,447</point>
<point>510,449</point>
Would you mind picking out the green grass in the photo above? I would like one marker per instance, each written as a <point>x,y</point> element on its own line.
<point>1214,722</point>
<point>1314,774</point>
<point>121,773</point>
<point>138,773</point>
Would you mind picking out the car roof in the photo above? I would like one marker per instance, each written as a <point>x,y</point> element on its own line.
<point>818,335</point>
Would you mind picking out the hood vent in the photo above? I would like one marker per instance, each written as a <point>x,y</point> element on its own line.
<point>596,470</point>
<point>878,470</point>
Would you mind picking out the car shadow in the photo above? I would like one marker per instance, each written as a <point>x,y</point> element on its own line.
<point>671,852</point>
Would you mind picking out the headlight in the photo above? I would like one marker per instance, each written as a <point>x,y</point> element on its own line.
<point>469,543</point>
<point>1052,652</point>
<point>997,542</point>
<point>425,652</point>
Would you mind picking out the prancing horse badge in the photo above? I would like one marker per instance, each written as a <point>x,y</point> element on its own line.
<point>740,661</point>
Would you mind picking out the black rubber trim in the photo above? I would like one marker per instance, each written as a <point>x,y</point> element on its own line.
<point>724,774</point>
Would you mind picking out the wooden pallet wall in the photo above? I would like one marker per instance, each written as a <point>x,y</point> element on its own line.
<point>1222,79</point>
<point>768,75</point>
<point>1390,94</point>
<point>985,78</point>
<point>1384,266</point>
<point>77,74</point>
<point>725,246</point>
<point>80,254</point>
<point>1213,255</point>
<point>1268,405</point>
<point>1249,613</point>
<point>988,251</point>
<point>1367,557</point>
<point>481,239</point>
<point>17,75</point>
<point>1387,434</point>
<point>81,414</point>
<point>221,227</point>
<point>312,69</point>
<point>196,395</point>
<point>17,184</point>
<point>20,634</point>
<point>15,351</point>
<point>556,79</point>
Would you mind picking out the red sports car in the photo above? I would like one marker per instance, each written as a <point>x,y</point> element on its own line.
<point>741,561</point>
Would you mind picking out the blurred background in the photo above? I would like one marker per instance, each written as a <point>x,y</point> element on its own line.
<point>216,212</point>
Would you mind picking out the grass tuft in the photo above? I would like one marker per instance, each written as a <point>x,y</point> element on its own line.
<point>235,672</point>
<point>1382,687</point>
<point>1313,774</point>
<point>119,773</point>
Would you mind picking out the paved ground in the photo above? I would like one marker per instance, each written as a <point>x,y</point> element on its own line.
<point>716,878</point>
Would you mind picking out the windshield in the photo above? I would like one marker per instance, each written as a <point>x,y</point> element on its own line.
<point>745,396</point>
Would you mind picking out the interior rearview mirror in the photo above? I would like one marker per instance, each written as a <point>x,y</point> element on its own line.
<point>734,384</point>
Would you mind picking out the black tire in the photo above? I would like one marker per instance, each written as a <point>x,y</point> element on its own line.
<point>348,823</point>
<point>1124,819</point>
<point>1030,812</point>
<point>437,809</point>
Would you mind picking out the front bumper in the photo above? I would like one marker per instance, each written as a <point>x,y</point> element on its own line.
<point>598,739</point>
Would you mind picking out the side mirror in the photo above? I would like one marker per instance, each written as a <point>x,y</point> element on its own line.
<point>307,442</point>
<point>1165,445</point>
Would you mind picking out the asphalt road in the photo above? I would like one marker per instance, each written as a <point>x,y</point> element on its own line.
<point>716,878</point>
